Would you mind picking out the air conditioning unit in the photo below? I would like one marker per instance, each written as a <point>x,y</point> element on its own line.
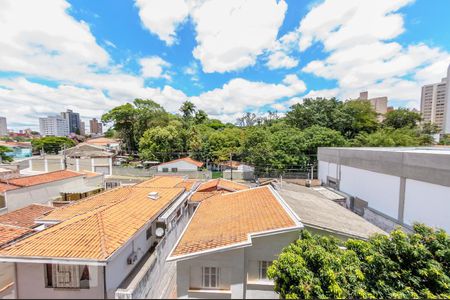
<point>160,230</point>
<point>131,260</point>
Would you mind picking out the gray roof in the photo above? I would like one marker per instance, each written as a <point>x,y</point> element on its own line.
<point>318,212</point>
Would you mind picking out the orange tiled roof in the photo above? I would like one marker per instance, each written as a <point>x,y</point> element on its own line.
<point>187,184</point>
<point>97,234</point>
<point>24,217</point>
<point>11,233</point>
<point>162,181</point>
<point>221,183</point>
<point>186,159</point>
<point>228,219</point>
<point>200,196</point>
<point>43,178</point>
<point>6,187</point>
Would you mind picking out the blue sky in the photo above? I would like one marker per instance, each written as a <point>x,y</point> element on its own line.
<point>227,57</point>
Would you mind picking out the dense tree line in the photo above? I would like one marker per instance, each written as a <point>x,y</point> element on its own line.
<point>395,266</point>
<point>268,141</point>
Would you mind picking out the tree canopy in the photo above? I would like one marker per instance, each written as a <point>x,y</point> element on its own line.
<point>268,141</point>
<point>52,144</point>
<point>3,156</point>
<point>395,266</point>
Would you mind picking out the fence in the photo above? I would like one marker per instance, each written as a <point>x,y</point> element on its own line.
<point>156,278</point>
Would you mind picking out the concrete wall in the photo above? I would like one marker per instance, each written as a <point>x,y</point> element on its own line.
<point>400,187</point>
<point>238,270</point>
<point>6,278</point>
<point>31,284</point>
<point>181,165</point>
<point>78,164</point>
<point>42,193</point>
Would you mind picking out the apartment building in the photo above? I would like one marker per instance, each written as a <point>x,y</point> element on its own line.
<point>434,103</point>
<point>106,246</point>
<point>53,126</point>
<point>392,186</point>
<point>73,121</point>
<point>3,127</point>
<point>379,104</point>
<point>95,126</point>
<point>230,242</point>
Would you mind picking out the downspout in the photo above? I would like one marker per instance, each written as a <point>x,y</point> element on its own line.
<point>16,285</point>
<point>105,296</point>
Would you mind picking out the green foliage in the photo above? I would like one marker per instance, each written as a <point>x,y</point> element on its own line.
<point>160,143</point>
<point>390,137</point>
<point>3,156</point>
<point>401,118</point>
<point>398,266</point>
<point>52,144</point>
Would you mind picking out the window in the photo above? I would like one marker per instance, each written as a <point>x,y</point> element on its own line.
<point>210,277</point>
<point>263,266</point>
<point>174,170</point>
<point>165,170</point>
<point>2,201</point>
<point>67,276</point>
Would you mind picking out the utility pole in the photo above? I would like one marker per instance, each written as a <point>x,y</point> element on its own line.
<point>65,157</point>
<point>231,166</point>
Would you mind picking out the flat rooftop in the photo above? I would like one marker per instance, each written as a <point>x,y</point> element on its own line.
<point>317,211</point>
<point>430,150</point>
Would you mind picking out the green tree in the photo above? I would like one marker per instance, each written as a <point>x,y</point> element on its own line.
<point>354,117</point>
<point>401,118</point>
<point>123,118</point>
<point>52,144</point>
<point>160,143</point>
<point>3,156</point>
<point>200,117</point>
<point>395,266</point>
<point>390,137</point>
<point>317,136</point>
<point>320,111</point>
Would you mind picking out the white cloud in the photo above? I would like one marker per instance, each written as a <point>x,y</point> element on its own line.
<point>326,93</point>
<point>358,36</point>
<point>240,94</point>
<point>230,34</point>
<point>279,59</point>
<point>153,67</point>
<point>162,17</point>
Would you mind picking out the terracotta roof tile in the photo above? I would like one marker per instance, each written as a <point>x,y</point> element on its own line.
<point>43,178</point>
<point>162,181</point>
<point>216,184</point>
<point>24,217</point>
<point>186,159</point>
<point>97,234</point>
<point>227,219</point>
<point>11,233</point>
<point>200,196</point>
<point>7,187</point>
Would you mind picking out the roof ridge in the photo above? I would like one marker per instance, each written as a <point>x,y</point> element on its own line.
<point>102,233</point>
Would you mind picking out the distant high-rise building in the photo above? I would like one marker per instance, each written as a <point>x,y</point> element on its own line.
<point>3,126</point>
<point>434,103</point>
<point>82,128</point>
<point>379,104</point>
<point>73,120</point>
<point>96,127</point>
<point>53,126</point>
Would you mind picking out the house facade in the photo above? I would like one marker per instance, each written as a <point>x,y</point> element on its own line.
<point>91,249</point>
<point>185,164</point>
<point>230,242</point>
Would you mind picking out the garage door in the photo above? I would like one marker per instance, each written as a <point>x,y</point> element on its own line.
<point>102,169</point>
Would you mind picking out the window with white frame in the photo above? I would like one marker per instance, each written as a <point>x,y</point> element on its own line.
<point>67,276</point>
<point>210,277</point>
<point>263,265</point>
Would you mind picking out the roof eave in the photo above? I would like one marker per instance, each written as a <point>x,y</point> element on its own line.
<point>52,260</point>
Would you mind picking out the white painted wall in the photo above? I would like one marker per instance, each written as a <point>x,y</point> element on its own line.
<point>236,268</point>
<point>41,193</point>
<point>327,169</point>
<point>381,191</point>
<point>427,203</point>
<point>31,284</point>
<point>181,165</point>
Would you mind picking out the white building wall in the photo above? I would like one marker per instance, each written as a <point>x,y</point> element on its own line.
<point>427,203</point>
<point>42,193</point>
<point>31,284</point>
<point>180,165</point>
<point>447,101</point>
<point>327,169</point>
<point>3,126</point>
<point>238,270</point>
<point>381,191</point>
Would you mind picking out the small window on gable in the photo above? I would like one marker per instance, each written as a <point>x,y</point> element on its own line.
<point>263,265</point>
<point>210,277</point>
<point>174,170</point>
<point>165,170</point>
